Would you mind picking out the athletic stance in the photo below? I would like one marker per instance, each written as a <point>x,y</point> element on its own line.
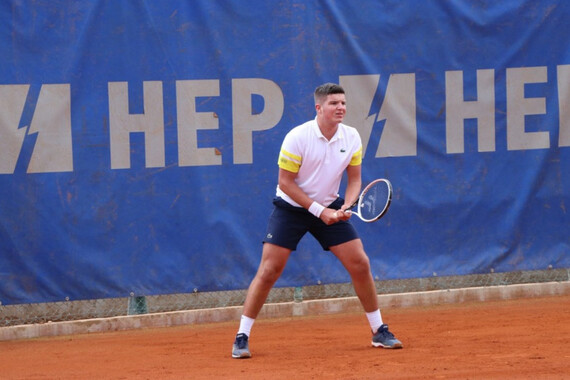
<point>312,161</point>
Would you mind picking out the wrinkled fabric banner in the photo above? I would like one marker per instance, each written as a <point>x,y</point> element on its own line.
<point>139,139</point>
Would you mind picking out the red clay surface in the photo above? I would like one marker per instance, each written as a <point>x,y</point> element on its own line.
<point>515,339</point>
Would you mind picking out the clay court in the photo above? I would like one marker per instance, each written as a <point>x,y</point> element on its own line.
<point>525,338</point>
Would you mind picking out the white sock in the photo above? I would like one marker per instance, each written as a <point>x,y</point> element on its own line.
<point>375,320</point>
<point>245,325</point>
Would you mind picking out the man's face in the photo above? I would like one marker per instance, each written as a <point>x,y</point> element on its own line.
<point>333,108</point>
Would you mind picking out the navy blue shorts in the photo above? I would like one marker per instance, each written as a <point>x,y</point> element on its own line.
<point>288,224</point>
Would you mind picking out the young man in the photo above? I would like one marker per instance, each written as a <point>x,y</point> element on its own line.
<point>312,161</point>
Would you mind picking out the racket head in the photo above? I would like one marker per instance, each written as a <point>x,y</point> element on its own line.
<point>374,200</point>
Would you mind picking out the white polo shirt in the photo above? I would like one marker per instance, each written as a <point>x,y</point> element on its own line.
<point>318,162</point>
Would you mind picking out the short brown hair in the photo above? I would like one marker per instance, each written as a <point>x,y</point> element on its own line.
<point>326,89</point>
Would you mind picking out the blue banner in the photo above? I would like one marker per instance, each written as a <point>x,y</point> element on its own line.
<point>139,139</point>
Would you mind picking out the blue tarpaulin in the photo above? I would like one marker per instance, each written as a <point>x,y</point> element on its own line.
<point>139,139</point>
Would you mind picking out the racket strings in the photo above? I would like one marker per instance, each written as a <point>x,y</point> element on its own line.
<point>373,201</point>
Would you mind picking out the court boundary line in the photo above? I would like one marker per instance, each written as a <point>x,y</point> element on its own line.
<point>285,309</point>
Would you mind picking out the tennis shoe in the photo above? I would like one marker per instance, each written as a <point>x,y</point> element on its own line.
<point>385,339</point>
<point>240,349</point>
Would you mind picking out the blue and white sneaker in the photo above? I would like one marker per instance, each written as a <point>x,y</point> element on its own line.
<point>385,339</point>
<point>240,349</point>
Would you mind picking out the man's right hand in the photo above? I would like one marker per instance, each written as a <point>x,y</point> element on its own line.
<point>330,216</point>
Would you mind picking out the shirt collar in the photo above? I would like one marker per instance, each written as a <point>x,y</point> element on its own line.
<point>337,136</point>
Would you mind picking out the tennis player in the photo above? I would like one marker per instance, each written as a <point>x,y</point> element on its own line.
<point>312,161</point>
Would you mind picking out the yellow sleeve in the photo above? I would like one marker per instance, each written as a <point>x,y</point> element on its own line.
<point>289,161</point>
<point>356,158</point>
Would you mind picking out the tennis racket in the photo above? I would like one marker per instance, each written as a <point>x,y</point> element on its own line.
<point>373,202</point>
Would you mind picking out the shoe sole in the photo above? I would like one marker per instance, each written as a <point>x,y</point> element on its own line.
<point>395,346</point>
<point>243,355</point>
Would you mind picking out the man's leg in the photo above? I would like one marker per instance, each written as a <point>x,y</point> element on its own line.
<point>352,255</point>
<point>273,260</point>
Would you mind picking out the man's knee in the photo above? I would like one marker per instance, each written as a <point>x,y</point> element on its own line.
<point>269,274</point>
<point>360,266</point>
